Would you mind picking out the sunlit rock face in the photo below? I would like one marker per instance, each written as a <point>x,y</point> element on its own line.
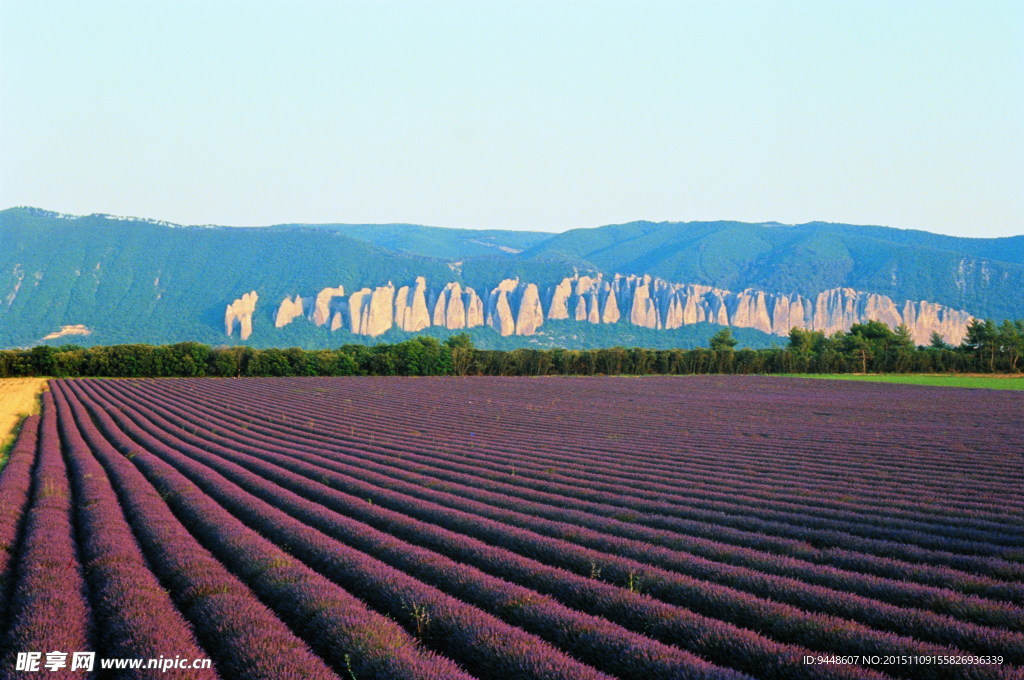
<point>288,311</point>
<point>241,311</point>
<point>515,307</point>
<point>322,306</point>
<point>411,313</point>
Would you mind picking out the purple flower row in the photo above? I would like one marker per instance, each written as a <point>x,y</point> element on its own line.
<point>134,615</point>
<point>48,607</point>
<point>488,437</point>
<point>239,633</point>
<point>981,555</point>
<point>336,624</point>
<point>526,513</point>
<point>484,644</point>
<point>589,638</point>
<point>15,485</point>
<point>795,541</point>
<point>773,617</point>
<point>800,468</point>
<point>525,607</point>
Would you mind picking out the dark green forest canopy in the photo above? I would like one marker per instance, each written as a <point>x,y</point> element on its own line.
<point>870,347</point>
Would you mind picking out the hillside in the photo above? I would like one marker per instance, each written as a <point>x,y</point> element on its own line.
<point>101,280</point>
<point>983,276</point>
<point>134,281</point>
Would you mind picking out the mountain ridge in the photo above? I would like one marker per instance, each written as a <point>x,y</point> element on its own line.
<point>141,279</point>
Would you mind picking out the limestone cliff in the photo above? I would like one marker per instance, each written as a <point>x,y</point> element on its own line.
<point>515,307</point>
<point>357,302</point>
<point>499,307</point>
<point>530,315</point>
<point>322,306</point>
<point>412,314</point>
<point>474,309</point>
<point>241,311</point>
<point>380,312</point>
<point>288,311</point>
<point>655,303</point>
<point>559,306</point>
<point>454,316</point>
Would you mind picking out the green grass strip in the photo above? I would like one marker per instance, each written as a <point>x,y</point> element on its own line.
<point>992,382</point>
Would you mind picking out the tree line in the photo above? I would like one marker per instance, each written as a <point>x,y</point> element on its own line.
<point>870,347</point>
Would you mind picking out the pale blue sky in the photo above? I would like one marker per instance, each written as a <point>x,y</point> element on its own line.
<point>524,115</point>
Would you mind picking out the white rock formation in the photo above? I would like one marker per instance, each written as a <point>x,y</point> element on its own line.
<point>411,314</point>
<point>530,315</point>
<point>380,312</point>
<point>357,301</point>
<point>517,307</point>
<point>499,309</point>
<point>322,306</point>
<point>288,311</point>
<point>241,311</point>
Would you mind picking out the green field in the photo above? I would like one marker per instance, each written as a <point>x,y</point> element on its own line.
<point>994,382</point>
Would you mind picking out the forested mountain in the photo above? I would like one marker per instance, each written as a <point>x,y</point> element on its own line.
<point>137,280</point>
<point>983,276</point>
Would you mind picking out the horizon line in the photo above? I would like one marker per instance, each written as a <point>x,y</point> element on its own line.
<point>765,223</point>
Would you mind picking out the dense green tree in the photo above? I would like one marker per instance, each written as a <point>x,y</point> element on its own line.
<point>871,346</point>
<point>226,361</point>
<point>41,360</point>
<point>610,361</point>
<point>269,362</point>
<point>936,341</point>
<point>899,351</point>
<point>381,362</point>
<point>983,339</point>
<point>723,341</point>
<point>804,345</point>
<point>860,346</point>
<point>1011,341</point>
<point>461,347</point>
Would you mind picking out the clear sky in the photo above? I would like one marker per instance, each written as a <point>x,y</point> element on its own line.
<point>523,115</point>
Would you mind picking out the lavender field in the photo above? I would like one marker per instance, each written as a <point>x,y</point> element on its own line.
<point>446,528</point>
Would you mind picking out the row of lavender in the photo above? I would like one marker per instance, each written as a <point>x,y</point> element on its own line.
<point>100,562</point>
<point>758,614</point>
<point>981,639</point>
<point>987,522</point>
<point>297,528</point>
<point>988,560</point>
<point>242,595</point>
<point>789,622</point>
